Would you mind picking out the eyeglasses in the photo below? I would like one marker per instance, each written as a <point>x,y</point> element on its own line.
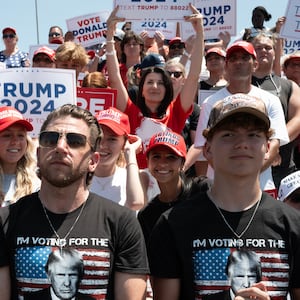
<point>49,139</point>
<point>176,74</point>
<point>11,36</point>
<point>176,46</point>
<point>54,34</point>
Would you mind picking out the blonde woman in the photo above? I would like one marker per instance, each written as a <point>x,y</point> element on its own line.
<point>17,160</point>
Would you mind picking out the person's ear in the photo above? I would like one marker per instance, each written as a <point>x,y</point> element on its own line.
<point>207,151</point>
<point>267,154</point>
<point>94,160</point>
<point>255,65</point>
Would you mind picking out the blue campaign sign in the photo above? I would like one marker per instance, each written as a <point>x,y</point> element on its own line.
<point>35,92</point>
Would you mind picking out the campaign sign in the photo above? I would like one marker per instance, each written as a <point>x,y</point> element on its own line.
<point>33,48</point>
<point>141,10</point>
<point>90,29</point>
<point>291,27</point>
<point>291,45</point>
<point>167,28</point>
<point>97,99</point>
<point>218,16</point>
<point>35,92</point>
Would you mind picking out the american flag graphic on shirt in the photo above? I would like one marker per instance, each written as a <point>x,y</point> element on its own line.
<point>31,275</point>
<point>210,275</point>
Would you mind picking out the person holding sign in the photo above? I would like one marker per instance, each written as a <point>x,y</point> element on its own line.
<point>155,109</point>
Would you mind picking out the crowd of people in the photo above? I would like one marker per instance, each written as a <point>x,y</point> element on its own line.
<point>168,195</point>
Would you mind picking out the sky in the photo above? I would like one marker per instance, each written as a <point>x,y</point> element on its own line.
<point>23,15</point>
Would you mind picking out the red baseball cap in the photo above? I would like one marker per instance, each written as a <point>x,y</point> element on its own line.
<point>10,116</point>
<point>175,40</point>
<point>9,28</point>
<point>169,139</point>
<point>45,50</point>
<point>216,50</point>
<point>289,57</point>
<point>116,120</point>
<point>241,45</point>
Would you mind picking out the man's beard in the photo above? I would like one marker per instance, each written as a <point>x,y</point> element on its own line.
<point>62,181</point>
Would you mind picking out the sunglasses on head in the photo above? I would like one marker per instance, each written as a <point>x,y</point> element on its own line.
<point>176,46</point>
<point>11,36</point>
<point>176,74</point>
<point>54,34</point>
<point>49,139</point>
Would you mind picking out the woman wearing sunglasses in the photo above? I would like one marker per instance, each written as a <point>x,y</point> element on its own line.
<point>11,56</point>
<point>17,157</point>
<point>155,109</point>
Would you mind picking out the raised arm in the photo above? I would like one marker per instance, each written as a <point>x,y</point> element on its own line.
<point>136,196</point>
<point>190,87</point>
<point>112,63</point>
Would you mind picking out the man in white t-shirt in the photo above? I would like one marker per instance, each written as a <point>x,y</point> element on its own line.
<point>240,64</point>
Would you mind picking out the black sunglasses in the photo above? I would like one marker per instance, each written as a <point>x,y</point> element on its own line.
<point>54,34</point>
<point>49,139</point>
<point>176,46</point>
<point>11,36</point>
<point>176,74</point>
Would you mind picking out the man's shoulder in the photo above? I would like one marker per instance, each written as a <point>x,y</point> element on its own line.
<point>106,206</point>
<point>218,95</point>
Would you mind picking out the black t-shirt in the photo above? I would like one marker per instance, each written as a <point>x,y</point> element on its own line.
<point>107,235</point>
<point>192,242</point>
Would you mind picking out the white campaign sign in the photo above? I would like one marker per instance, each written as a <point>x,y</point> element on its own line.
<point>155,10</point>
<point>218,16</point>
<point>90,29</point>
<point>291,27</point>
<point>35,92</point>
<point>167,28</point>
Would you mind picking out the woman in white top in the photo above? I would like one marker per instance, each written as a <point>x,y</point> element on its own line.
<point>117,174</point>
<point>17,157</point>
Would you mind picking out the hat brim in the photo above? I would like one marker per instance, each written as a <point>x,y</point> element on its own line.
<point>117,129</point>
<point>175,150</point>
<point>247,110</point>
<point>23,123</point>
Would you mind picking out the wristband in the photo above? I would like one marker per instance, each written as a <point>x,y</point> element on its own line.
<point>186,53</point>
<point>110,53</point>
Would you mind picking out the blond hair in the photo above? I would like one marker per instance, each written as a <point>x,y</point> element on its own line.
<point>70,51</point>
<point>25,174</point>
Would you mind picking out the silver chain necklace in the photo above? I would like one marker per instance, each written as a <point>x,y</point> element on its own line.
<point>239,236</point>
<point>63,241</point>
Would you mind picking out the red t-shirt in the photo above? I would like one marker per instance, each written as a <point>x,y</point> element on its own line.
<point>145,127</point>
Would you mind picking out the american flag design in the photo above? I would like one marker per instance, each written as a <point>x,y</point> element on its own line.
<point>30,270</point>
<point>210,275</point>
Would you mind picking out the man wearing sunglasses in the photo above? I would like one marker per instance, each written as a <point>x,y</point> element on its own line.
<point>176,47</point>
<point>64,214</point>
<point>55,35</point>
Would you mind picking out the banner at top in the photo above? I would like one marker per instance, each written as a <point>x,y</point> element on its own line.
<point>139,10</point>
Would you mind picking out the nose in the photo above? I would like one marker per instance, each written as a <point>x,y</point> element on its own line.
<point>241,142</point>
<point>61,143</point>
<point>246,282</point>
<point>67,280</point>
